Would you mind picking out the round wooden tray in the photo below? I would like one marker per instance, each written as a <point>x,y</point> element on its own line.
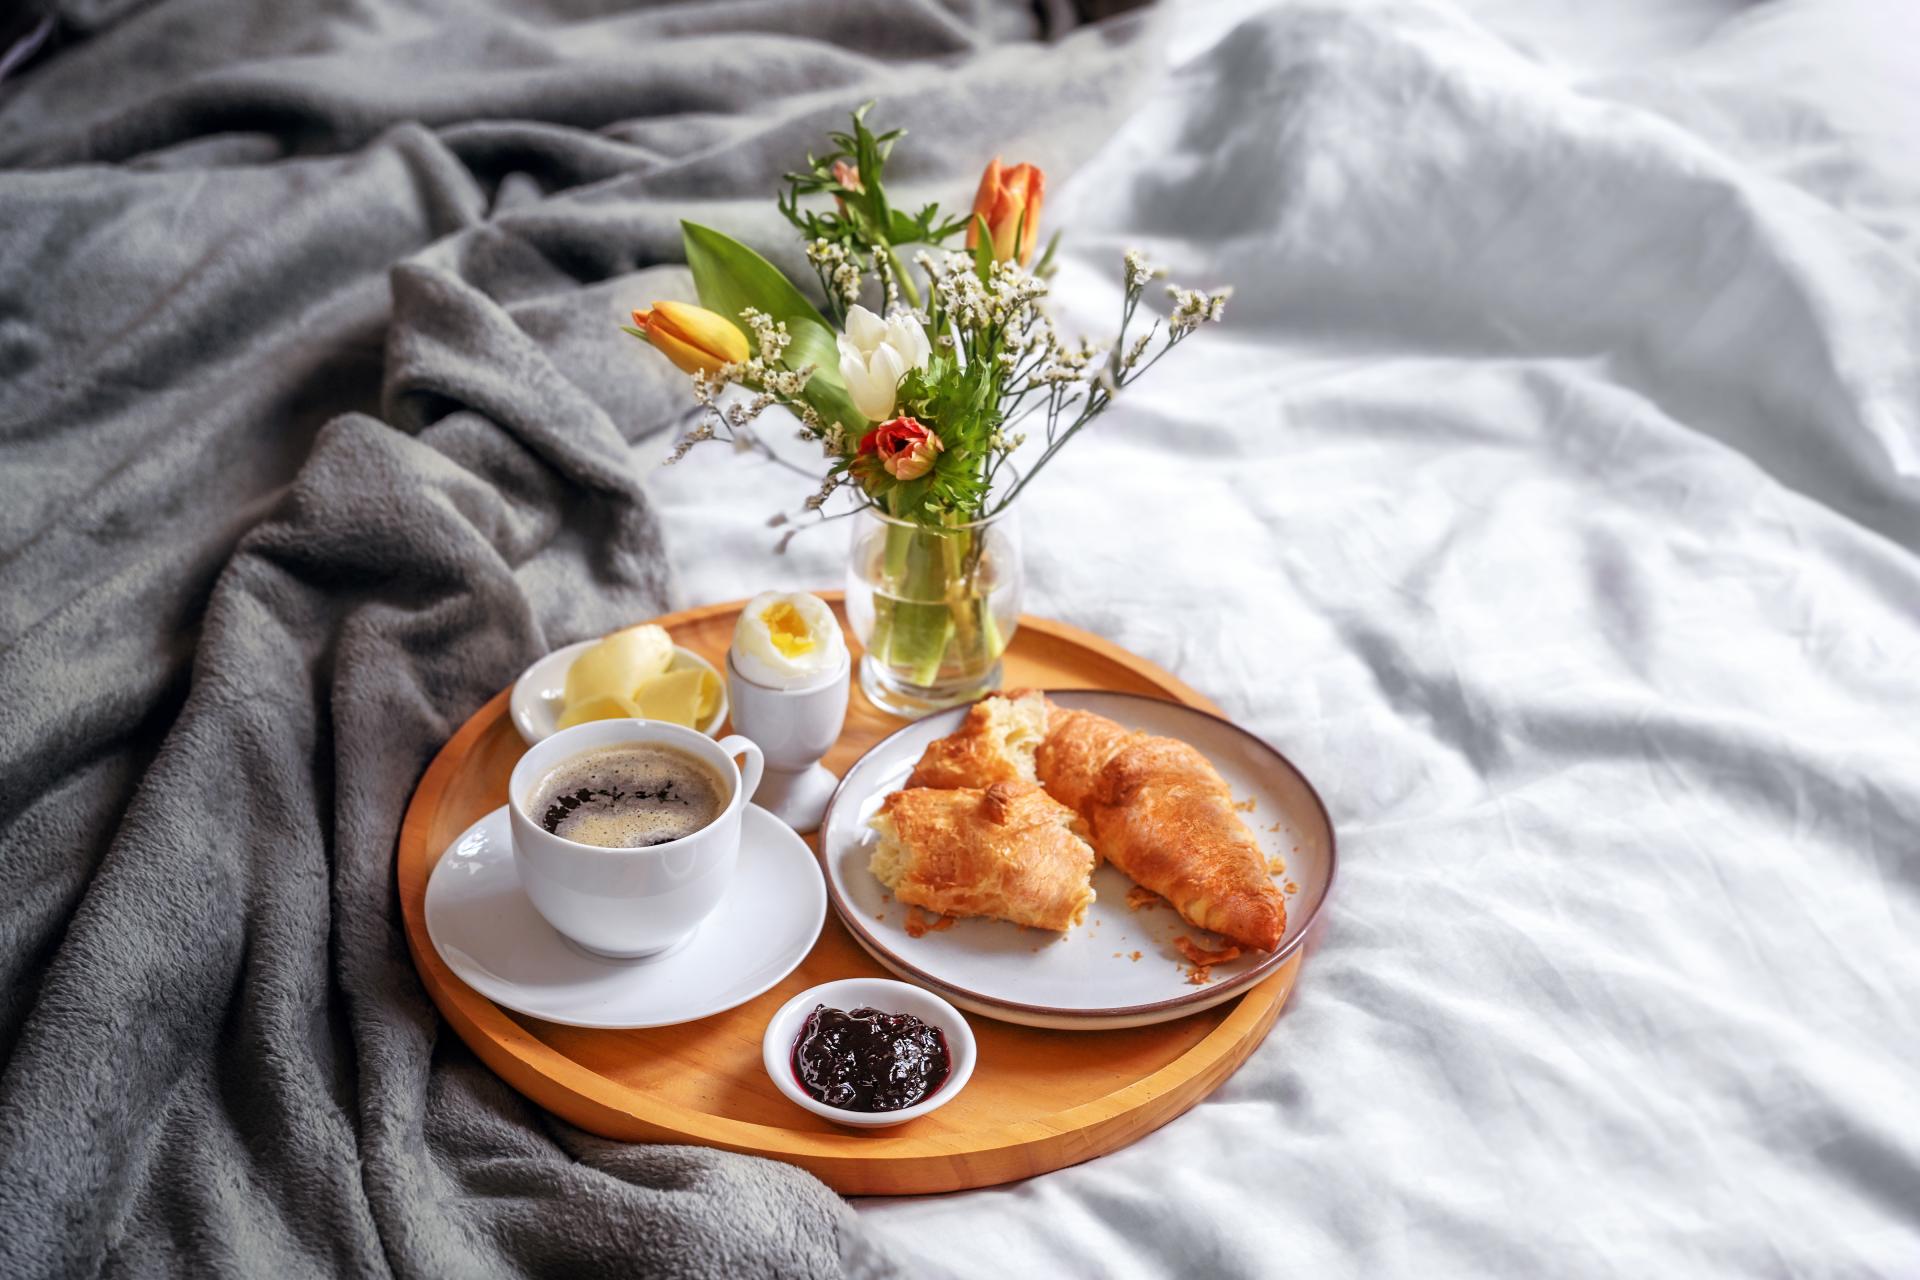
<point>1039,1100</point>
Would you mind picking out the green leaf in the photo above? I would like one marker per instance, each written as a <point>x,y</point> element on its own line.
<point>983,251</point>
<point>732,278</point>
<point>1044,267</point>
<point>905,230</point>
<point>911,496</point>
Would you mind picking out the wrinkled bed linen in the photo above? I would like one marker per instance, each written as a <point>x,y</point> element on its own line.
<point>1552,497</point>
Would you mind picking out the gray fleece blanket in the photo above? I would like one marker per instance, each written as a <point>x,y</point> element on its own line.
<point>314,428</point>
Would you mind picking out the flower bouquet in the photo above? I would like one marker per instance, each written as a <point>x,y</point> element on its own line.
<point>922,406</point>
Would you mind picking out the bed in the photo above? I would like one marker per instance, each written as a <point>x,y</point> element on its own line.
<point>1551,495</point>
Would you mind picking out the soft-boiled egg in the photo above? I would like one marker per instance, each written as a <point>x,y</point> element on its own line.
<point>786,640</point>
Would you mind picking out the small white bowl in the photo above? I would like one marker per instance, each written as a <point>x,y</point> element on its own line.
<point>539,694</point>
<point>776,1048</point>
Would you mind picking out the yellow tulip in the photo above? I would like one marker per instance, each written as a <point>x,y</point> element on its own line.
<point>1005,197</point>
<point>696,339</point>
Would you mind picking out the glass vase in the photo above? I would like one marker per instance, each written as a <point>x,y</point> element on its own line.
<point>933,606</point>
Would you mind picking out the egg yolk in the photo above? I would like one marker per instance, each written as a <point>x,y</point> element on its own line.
<point>788,630</point>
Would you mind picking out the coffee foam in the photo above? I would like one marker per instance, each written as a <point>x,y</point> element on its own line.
<point>628,797</point>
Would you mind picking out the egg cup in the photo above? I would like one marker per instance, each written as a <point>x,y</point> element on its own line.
<point>794,728</point>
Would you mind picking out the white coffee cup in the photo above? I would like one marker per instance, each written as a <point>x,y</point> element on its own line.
<point>628,904</point>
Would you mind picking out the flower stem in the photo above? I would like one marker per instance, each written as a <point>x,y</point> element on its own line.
<point>900,274</point>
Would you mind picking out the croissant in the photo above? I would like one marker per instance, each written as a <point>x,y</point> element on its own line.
<point>1010,851</point>
<point>995,743</point>
<point>1162,813</point>
<point>1077,747</point>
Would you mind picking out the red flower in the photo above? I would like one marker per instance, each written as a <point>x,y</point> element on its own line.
<point>905,448</point>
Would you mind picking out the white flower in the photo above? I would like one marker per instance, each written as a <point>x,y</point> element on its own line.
<point>1192,308</point>
<point>875,354</point>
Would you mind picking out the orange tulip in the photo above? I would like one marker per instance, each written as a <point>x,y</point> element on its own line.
<point>1004,197</point>
<point>696,339</point>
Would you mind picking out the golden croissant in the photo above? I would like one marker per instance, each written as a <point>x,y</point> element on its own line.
<point>1009,851</point>
<point>1161,812</point>
<point>1077,747</point>
<point>995,743</point>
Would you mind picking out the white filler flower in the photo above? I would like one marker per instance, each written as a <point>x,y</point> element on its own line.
<point>875,354</point>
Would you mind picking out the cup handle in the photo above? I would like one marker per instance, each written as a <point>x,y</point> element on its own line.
<point>735,745</point>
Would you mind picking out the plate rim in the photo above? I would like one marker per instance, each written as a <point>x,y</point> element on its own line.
<point>851,918</point>
<point>1077,1024</point>
<point>804,952</point>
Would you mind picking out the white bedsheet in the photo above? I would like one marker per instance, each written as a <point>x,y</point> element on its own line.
<point>1552,496</point>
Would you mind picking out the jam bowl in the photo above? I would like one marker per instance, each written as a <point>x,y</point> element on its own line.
<point>856,996</point>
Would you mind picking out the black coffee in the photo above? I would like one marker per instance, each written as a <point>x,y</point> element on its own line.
<point>628,797</point>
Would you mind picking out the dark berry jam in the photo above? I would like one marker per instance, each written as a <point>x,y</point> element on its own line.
<point>867,1060</point>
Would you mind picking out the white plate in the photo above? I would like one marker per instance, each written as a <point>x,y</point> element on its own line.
<point>1088,978</point>
<point>539,695</point>
<point>487,931</point>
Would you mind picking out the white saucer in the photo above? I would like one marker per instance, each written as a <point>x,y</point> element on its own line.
<point>538,695</point>
<point>488,932</point>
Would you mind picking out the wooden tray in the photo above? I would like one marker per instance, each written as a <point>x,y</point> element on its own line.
<point>1039,1100</point>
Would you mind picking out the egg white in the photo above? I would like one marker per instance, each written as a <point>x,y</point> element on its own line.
<point>759,659</point>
